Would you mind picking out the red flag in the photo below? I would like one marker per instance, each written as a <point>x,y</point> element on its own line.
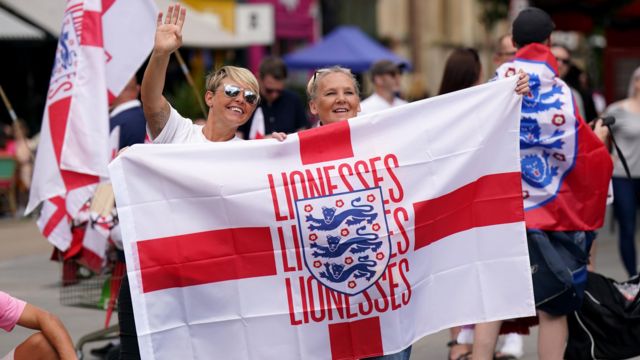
<point>566,169</point>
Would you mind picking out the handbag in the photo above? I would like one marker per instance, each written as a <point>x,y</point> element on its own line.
<point>559,269</point>
<point>607,326</point>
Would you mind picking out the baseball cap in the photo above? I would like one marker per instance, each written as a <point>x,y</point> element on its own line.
<point>532,25</point>
<point>386,67</point>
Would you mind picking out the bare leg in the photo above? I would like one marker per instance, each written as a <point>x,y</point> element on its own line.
<point>36,347</point>
<point>484,340</point>
<point>552,336</point>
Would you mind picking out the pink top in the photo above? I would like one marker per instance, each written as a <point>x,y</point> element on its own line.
<point>10,311</point>
<point>9,149</point>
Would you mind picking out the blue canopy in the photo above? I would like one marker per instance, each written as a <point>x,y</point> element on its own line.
<point>346,46</point>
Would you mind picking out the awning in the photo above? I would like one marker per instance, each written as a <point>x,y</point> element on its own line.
<point>200,29</point>
<point>346,46</point>
<point>13,28</point>
<point>44,13</point>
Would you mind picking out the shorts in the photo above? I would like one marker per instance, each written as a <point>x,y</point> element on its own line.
<point>9,356</point>
<point>559,269</point>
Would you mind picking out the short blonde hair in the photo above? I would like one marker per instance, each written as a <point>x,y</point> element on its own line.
<point>237,74</point>
<point>312,85</point>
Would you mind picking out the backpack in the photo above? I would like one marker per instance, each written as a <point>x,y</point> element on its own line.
<point>607,326</point>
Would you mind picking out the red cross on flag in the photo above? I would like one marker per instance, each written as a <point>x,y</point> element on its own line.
<point>344,241</point>
<point>101,45</point>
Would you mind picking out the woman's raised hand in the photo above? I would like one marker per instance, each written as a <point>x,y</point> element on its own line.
<point>169,32</point>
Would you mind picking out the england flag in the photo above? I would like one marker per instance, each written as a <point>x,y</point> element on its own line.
<point>345,241</point>
<point>101,45</point>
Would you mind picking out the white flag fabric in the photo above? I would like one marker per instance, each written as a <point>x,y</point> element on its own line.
<point>101,45</point>
<point>344,241</point>
<point>130,27</point>
<point>257,130</point>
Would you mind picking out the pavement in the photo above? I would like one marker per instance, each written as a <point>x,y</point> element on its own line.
<point>27,273</point>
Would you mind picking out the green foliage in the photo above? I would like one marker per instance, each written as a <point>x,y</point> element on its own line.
<point>183,99</point>
<point>493,11</point>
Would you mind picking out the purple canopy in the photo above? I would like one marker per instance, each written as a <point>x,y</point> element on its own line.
<point>346,46</point>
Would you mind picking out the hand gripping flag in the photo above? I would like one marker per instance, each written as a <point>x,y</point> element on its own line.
<point>566,169</point>
<point>101,45</point>
<point>344,241</point>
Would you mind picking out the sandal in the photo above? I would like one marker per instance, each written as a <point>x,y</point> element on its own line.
<point>501,356</point>
<point>461,356</point>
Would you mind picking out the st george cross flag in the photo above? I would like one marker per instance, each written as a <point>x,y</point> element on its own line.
<point>566,169</point>
<point>102,43</point>
<point>344,241</point>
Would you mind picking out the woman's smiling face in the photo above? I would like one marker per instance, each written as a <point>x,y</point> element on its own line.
<point>336,98</point>
<point>230,111</point>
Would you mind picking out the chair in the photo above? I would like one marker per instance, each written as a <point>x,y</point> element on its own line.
<point>8,167</point>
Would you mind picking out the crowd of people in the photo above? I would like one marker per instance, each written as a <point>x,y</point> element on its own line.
<point>243,106</point>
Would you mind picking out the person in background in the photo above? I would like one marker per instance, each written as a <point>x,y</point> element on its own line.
<point>626,191</point>
<point>51,342</point>
<point>462,70</point>
<point>126,114</point>
<point>334,96</point>
<point>280,110</point>
<point>7,143</point>
<point>127,118</point>
<point>504,50</point>
<point>575,78</point>
<point>565,65</point>
<point>385,76</point>
<point>532,34</point>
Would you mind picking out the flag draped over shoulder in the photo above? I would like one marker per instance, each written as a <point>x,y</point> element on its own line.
<point>344,241</point>
<point>101,45</point>
<point>566,169</point>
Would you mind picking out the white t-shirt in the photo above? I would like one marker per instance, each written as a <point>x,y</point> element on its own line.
<point>376,102</point>
<point>180,130</point>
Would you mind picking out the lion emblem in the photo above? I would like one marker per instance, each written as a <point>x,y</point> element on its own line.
<point>331,220</point>
<point>530,136</point>
<point>338,273</point>
<point>356,245</point>
<point>536,101</point>
<point>536,170</point>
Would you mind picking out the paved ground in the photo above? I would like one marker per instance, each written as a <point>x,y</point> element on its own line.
<point>26,272</point>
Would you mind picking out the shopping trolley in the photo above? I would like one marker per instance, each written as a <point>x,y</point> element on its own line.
<point>89,281</point>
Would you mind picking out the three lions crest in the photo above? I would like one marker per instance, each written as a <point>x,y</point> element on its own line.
<point>345,239</point>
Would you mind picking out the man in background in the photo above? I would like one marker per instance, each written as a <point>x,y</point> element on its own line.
<point>280,110</point>
<point>504,50</point>
<point>385,76</point>
<point>126,114</point>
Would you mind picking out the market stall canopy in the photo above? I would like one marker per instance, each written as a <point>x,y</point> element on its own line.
<point>253,22</point>
<point>346,46</point>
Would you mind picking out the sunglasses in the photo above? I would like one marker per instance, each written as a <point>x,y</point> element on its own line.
<point>563,61</point>
<point>318,72</point>
<point>249,96</point>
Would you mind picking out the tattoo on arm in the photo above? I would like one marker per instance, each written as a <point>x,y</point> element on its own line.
<point>158,119</point>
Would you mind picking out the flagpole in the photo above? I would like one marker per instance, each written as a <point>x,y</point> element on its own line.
<point>16,125</point>
<point>185,71</point>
